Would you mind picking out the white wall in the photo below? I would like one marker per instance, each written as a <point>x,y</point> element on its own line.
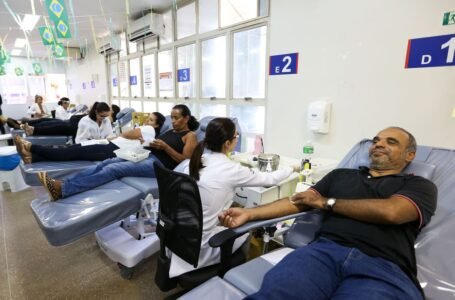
<point>352,53</point>
<point>18,111</point>
<point>91,68</point>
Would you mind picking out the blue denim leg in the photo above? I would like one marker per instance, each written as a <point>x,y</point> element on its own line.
<point>107,171</point>
<point>366,277</point>
<point>327,270</point>
<point>311,272</point>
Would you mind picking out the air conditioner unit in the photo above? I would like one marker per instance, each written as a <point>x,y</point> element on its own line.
<point>147,26</point>
<point>113,45</point>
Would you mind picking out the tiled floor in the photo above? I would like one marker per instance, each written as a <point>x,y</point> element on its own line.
<point>30,268</point>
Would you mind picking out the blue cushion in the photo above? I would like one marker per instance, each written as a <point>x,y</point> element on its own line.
<point>9,162</point>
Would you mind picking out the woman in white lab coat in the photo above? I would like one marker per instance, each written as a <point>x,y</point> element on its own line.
<point>38,109</point>
<point>61,112</point>
<point>96,125</point>
<point>217,177</point>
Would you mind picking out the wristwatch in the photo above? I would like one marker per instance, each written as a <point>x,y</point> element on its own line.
<point>331,203</point>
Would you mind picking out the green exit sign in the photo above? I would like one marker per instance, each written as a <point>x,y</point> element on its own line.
<point>449,18</point>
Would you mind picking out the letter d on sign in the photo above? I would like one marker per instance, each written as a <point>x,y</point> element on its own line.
<point>426,59</point>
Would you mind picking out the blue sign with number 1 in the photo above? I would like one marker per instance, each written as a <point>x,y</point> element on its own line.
<point>284,64</point>
<point>434,51</point>
<point>183,75</point>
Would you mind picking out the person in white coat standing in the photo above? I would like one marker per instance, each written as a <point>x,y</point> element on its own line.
<point>217,177</point>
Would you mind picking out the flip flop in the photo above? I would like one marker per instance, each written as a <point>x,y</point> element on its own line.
<point>48,184</point>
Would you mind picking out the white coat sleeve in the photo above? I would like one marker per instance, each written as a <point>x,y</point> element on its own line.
<point>243,176</point>
<point>106,129</point>
<point>83,132</point>
<point>32,109</point>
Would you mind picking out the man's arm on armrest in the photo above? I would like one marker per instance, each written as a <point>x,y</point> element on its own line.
<point>235,217</point>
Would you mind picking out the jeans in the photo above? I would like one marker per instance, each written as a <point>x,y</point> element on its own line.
<point>327,270</point>
<point>107,171</point>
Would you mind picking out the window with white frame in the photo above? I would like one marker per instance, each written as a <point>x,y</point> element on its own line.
<point>166,78</point>
<point>222,56</point>
<point>186,71</point>
<point>208,15</point>
<point>149,106</point>
<point>236,11</point>
<point>249,60</point>
<point>148,73</point>
<point>214,110</point>
<point>135,77</point>
<point>186,20</point>
<point>123,78</point>
<point>114,79</point>
<point>213,56</point>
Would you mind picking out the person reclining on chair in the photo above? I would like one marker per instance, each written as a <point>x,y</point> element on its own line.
<point>365,247</point>
<point>170,149</point>
<point>31,153</point>
<point>217,176</point>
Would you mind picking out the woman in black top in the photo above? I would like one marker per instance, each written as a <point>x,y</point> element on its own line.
<point>171,148</point>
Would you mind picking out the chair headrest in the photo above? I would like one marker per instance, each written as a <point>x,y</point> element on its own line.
<point>125,116</point>
<point>426,170</point>
<point>358,156</point>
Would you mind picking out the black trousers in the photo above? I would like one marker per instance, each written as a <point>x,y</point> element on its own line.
<point>73,152</point>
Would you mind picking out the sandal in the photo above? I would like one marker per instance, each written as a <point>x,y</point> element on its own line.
<point>50,186</point>
<point>23,148</point>
<point>28,129</point>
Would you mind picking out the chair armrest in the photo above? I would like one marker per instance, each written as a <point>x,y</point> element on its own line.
<point>231,233</point>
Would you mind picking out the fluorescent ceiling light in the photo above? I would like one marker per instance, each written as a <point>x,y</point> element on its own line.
<point>29,22</point>
<point>16,52</point>
<point>19,43</point>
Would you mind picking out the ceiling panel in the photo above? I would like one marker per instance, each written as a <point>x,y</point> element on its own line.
<point>104,13</point>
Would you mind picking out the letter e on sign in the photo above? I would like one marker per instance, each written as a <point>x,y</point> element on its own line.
<point>284,64</point>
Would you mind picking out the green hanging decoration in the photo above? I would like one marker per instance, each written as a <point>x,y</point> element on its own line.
<point>4,57</point>
<point>58,15</point>
<point>19,71</point>
<point>58,50</point>
<point>37,68</point>
<point>2,70</point>
<point>46,35</point>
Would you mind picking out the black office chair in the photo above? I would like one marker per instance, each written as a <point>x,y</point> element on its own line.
<point>180,230</point>
<point>74,122</point>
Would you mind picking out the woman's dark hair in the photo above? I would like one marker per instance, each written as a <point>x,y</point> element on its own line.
<point>193,124</point>
<point>218,131</point>
<point>98,107</point>
<point>116,110</point>
<point>63,100</point>
<point>159,121</point>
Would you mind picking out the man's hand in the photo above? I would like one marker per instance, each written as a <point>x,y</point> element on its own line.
<point>309,198</point>
<point>234,217</point>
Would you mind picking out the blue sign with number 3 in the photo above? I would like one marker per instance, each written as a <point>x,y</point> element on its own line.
<point>284,64</point>
<point>183,75</point>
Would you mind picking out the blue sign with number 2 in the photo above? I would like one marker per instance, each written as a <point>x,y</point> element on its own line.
<point>183,75</point>
<point>284,64</point>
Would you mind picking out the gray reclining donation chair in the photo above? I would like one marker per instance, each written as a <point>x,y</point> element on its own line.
<point>179,229</point>
<point>436,267</point>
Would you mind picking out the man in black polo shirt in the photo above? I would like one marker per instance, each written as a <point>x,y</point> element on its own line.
<point>365,249</point>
